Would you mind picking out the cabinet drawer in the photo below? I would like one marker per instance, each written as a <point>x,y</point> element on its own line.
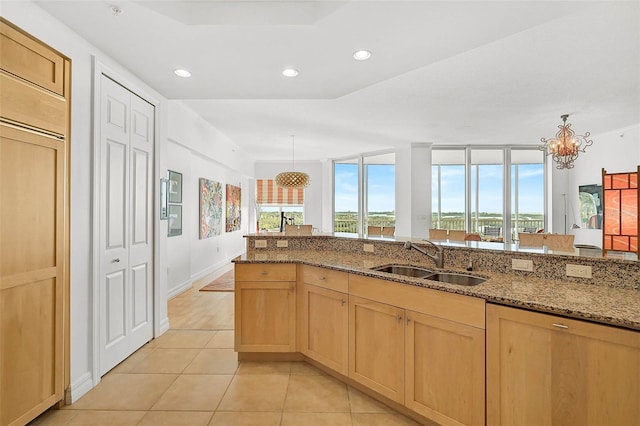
<point>455,307</point>
<point>326,278</point>
<point>265,272</point>
<point>23,56</point>
<point>25,103</point>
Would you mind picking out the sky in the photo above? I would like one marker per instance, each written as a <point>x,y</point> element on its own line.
<point>530,188</point>
<point>382,188</point>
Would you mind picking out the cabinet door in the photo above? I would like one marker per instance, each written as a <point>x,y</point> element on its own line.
<point>265,316</point>
<point>444,364</point>
<point>31,273</point>
<point>547,370</point>
<point>376,347</point>
<point>324,327</point>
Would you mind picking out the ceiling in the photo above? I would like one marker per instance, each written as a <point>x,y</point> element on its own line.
<point>443,72</point>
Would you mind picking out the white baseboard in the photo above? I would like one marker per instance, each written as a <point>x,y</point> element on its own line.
<point>184,286</point>
<point>164,326</point>
<point>79,387</point>
<point>219,267</point>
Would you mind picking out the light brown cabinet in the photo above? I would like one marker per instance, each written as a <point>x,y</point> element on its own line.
<point>323,317</point>
<point>429,357</point>
<point>34,225</point>
<point>265,307</point>
<point>444,370</point>
<point>547,370</point>
<point>376,346</point>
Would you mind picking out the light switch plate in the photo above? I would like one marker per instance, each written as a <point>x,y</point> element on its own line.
<point>260,244</point>
<point>579,271</point>
<point>282,243</point>
<point>522,265</point>
<point>368,248</point>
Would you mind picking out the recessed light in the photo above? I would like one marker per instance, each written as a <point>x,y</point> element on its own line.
<point>361,55</point>
<point>290,72</point>
<point>182,73</point>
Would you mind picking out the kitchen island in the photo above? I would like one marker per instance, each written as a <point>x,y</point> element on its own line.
<point>423,346</point>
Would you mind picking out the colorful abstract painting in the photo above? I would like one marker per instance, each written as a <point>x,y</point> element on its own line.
<point>210,208</point>
<point>233,208</point>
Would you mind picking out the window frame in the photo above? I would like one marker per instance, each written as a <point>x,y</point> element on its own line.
<point>507,188</point>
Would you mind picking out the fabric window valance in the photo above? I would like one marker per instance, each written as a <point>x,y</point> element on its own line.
<point>268,193</point>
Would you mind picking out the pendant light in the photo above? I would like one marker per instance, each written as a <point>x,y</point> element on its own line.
<point>292,179</point>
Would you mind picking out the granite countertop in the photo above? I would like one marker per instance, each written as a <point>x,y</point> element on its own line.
<point>603,304</point>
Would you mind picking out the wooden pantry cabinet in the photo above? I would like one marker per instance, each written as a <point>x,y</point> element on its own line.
<point>548,370</point>
<point>34,225</point>
<point>420,347</point>
<point>323,316</point>
<point>265,307</point>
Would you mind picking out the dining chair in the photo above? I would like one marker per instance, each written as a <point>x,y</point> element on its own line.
<point>473,237</point>
<point>457,235</point>
<point>305,229</point>
<point>437,234</point>
<point>374,231</point>
<point>560,242</point>
<point>388,231</point>
<point>492,231</point>
<point>530,240</point>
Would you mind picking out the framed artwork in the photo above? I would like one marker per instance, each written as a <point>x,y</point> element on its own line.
<point>175,187</point>
<point>210,208</point>
<point>233,208</point>
<point>175,220</point>
<point>590,206</point>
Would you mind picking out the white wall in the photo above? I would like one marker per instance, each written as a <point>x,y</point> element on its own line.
<point>313,194</point>
<point>40,24</point>
<point>616,151</point>
<point>198,150</point>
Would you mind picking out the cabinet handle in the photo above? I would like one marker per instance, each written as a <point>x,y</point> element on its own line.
<point>399,317</point>
<point>322,278</point>
<point>408,320</point>
<point>342,302</point>
<point>560,325</point>
<point>263,273</point>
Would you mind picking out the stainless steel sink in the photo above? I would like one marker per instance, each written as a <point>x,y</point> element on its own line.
<point>443,277</point>
<point>409,271</point>
<point>459,279</point>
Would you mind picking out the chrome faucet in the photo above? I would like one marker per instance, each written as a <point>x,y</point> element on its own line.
<point>438,257</point>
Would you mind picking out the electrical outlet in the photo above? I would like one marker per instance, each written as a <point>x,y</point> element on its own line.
<point>522,265</point>
<point>261,256</point>
<point>260,244</point>
<point>368,248</point>
<point>282,243</point>
<point>579,271</point>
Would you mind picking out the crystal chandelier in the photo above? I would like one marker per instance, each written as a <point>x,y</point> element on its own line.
<point>566,145</point>
<point>292,179</point>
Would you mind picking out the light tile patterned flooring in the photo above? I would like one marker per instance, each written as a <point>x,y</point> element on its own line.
<point>191,376</point>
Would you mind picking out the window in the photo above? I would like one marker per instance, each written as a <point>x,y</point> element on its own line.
<point>273,200</point>
<point>527,191</point>
<point>470,186</point>
<point>487,192</point>
<point>380,190</point>
<point>345,196</point>
<point>448,185</point>
<point>364,193</point>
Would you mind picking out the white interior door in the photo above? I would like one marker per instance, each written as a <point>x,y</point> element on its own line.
<point>126,218</point>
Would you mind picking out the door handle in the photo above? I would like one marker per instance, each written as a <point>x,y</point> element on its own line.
<point>116,260</point>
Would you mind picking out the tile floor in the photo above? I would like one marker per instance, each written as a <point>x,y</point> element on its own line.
<point>191,376</point>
